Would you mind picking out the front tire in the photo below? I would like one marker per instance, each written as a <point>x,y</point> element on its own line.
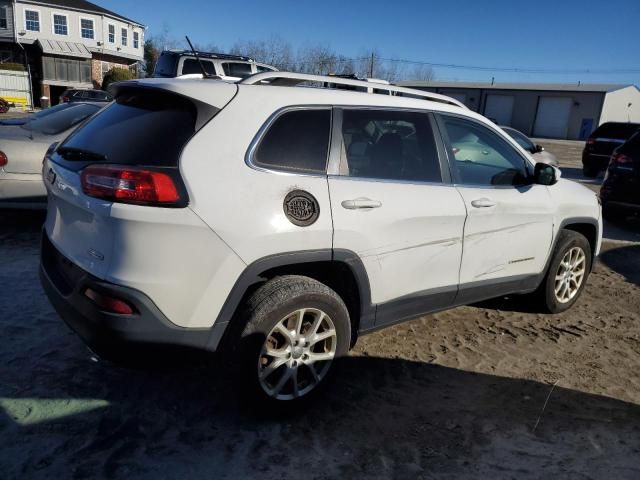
<point>568,272</point>
<point>296,327</point>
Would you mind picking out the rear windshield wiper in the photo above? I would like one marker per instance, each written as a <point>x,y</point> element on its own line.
<point>71,153</point>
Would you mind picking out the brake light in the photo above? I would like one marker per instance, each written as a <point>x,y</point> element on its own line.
<point>591,141</point>
<point>126,184</point>
<point>621,160</point>
<point>3,159</point>
<point>108,303</point>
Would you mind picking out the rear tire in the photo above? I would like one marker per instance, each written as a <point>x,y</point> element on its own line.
<point>296,328</point>
<point>567,274</point>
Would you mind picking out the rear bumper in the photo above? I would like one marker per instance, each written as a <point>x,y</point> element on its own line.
<point>107,333</point>
<point>21,188</point>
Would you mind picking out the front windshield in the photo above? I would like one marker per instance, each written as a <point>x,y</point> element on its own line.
<point>61,120</point>
<point>520,139</point>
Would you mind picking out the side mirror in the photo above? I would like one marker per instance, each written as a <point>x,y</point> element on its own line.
<point>539,148</point>
<point>545,174</point>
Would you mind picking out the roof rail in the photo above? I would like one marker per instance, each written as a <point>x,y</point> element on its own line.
<point>221,56</point>
<point>292,79</point>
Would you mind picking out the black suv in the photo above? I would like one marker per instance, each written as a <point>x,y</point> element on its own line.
<point>601,144</point>
<point>86,95</point>
<point>620,192</point>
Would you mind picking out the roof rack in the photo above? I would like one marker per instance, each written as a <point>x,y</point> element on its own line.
<point>222,56</point>
<point>292,79</point>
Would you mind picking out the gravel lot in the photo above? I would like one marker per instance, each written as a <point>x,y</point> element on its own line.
<point>458,394</point>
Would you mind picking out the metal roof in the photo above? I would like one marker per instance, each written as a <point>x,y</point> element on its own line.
<point>67,49</point>
<point>566,87</point>
<point>83,6</point>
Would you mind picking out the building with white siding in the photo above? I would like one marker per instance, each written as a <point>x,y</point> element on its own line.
<point>67,43</point>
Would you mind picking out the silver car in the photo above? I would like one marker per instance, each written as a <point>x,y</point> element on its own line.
<point>23,147</point>
<point>538,152</point>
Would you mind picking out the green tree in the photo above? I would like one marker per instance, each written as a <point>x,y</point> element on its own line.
<point>117,75</point>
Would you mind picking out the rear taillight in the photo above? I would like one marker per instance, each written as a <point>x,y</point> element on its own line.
<point>108,303</point>
<point>64,99</point>
<point>3,159</point>
<point>591,141</point>
<point>621,161</point>
<point>120,183</point>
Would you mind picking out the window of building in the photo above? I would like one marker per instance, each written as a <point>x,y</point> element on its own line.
<point>389,145</point>
<point>32,20</point>
<point>60,24</point>
<point>297,141</point>
<point>104,68</point>
<point>57,68</point>
<point>112,33</point>
<point>136,40</point>
<point>481,157</point>
<point>86,28</point>
<point>124,39</point>
<point>3,18</point>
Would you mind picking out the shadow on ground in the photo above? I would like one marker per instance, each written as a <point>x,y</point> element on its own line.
<point>381,418</point>
<point>625,261</point>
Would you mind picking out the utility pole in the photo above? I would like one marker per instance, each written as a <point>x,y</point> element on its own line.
<point>371,65</point>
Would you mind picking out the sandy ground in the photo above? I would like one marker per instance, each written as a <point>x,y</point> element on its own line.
<point>459,394</point>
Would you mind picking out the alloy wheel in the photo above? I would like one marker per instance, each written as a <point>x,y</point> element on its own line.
<point>297,354</point>
<point>570,275</point>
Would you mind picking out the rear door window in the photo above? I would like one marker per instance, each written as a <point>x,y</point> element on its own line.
<point>297,141</point>
<point>392,145</point>
<point>142,127</point>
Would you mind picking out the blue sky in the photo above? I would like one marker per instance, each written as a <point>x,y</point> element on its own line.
<point>540,34</point>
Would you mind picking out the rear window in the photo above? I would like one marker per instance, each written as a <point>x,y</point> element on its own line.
<point>62,120</point>
<point>142,127</point>
<point>166,66</point>
<point>615,130</point>
<point>233,69</point>
<point>297,141</point>
<point>191,65</point>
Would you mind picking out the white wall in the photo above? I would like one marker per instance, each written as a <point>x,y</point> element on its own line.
<point>14,87</point>
<point>616,106</point>
<point>73,26</point>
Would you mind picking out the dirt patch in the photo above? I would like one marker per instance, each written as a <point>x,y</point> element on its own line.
<point>453,395</point>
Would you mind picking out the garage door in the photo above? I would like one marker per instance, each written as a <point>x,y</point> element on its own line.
<point>499,109</point>
<point>552,120</point>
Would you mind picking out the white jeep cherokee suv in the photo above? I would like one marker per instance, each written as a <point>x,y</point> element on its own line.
<point>278,223</point>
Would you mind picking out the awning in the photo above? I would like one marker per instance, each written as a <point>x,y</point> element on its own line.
<point>66,49</point>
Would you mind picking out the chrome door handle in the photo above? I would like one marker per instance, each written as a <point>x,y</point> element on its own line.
<point>483,203</point>
<point>361,203</point>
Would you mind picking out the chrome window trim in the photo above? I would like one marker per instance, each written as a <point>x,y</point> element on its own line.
<point>257,139</point>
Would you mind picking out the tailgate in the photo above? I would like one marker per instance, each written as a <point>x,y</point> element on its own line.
<point>146,127</point>
<point>77,225</point>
